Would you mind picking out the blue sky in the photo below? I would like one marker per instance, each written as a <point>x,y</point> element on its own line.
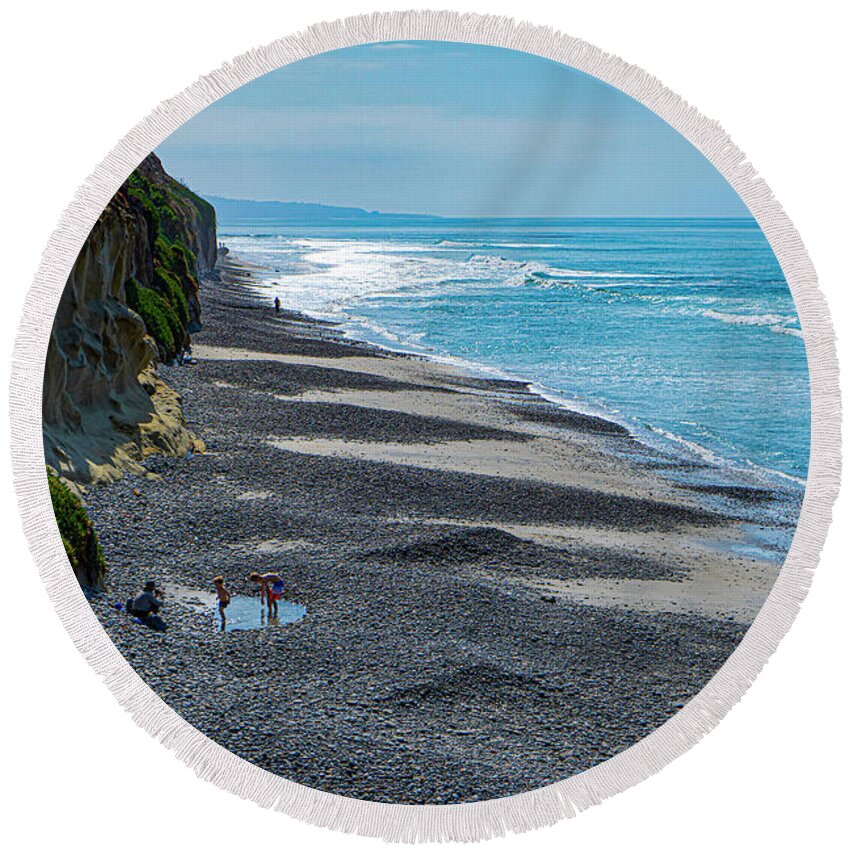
<point>445,129</point>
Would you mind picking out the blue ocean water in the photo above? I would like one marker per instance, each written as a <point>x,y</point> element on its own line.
<point>683,330</point>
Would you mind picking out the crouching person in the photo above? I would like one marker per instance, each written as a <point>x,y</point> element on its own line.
<point>146,607</point>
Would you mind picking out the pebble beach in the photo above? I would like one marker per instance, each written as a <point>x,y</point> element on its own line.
<point>499,593</point>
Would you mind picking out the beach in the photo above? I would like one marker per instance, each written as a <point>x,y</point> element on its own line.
<point>500,592</point>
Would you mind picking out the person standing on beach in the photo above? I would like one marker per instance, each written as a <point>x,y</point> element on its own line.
<point>271,589</point>
<point>276,304</point>
<point>223,598</point>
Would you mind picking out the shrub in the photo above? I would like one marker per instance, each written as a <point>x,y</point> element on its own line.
<point>78,537</point>
<point>161,300</point>
<point>170,288</point>
<point>159,295</point>
<point>183,261</point>
<point>154,201</point>
<point>161,321</point>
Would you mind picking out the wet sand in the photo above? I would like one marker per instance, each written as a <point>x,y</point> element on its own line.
<point>497,596</point>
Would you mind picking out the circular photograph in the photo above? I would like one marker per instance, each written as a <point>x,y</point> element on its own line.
<point>426,422</point>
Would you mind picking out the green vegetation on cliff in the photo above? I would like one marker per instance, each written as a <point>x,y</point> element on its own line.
<point>78,536</point>
<point>135,281</point>
<point>171,212</point>
<point>158,313</point>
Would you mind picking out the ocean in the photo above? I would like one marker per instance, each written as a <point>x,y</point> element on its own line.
<point>682,330</point>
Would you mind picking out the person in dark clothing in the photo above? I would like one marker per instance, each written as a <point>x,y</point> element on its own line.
<point>276,304</point>
<point>146,607</point>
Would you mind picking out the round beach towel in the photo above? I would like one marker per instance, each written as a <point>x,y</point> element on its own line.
<point>426,425</point>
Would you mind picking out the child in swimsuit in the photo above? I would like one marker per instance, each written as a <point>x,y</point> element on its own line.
<point>223,598</point>
<point>271,589</point>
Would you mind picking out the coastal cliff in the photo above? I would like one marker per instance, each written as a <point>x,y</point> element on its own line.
<point>131,301</point>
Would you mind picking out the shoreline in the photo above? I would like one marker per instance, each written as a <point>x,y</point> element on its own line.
<point>724,490</point>
<point>720,479</point>
<point>493,602</point>
<point>741,471</point>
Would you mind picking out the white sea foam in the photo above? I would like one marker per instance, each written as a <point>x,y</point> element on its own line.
<point>771,474</point>
<point>525,245</point>
<point>377,330</point>
<point>778,324</point>
<point>761,319</point>
<point>438,286</point>
<point>557,276</point>
<point>779,329</point>
<point>689,447</point>
<point>447,243</point>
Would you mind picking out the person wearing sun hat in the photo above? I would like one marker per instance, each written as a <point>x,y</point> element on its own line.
<point>146,606</point>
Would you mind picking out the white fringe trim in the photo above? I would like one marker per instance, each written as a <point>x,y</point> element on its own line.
<point>468,821</point>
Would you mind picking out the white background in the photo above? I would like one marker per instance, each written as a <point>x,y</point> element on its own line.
<point>77,76</point>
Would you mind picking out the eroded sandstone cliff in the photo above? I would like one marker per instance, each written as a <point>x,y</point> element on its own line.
<point>131,300</point>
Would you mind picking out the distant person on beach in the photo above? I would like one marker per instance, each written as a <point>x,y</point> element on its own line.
<point>271,589</point>
<point>223,598</point>
<point>146,606</point>
<point>276,304</point>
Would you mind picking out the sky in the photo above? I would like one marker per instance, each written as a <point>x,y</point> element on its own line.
<point>445,129</point>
